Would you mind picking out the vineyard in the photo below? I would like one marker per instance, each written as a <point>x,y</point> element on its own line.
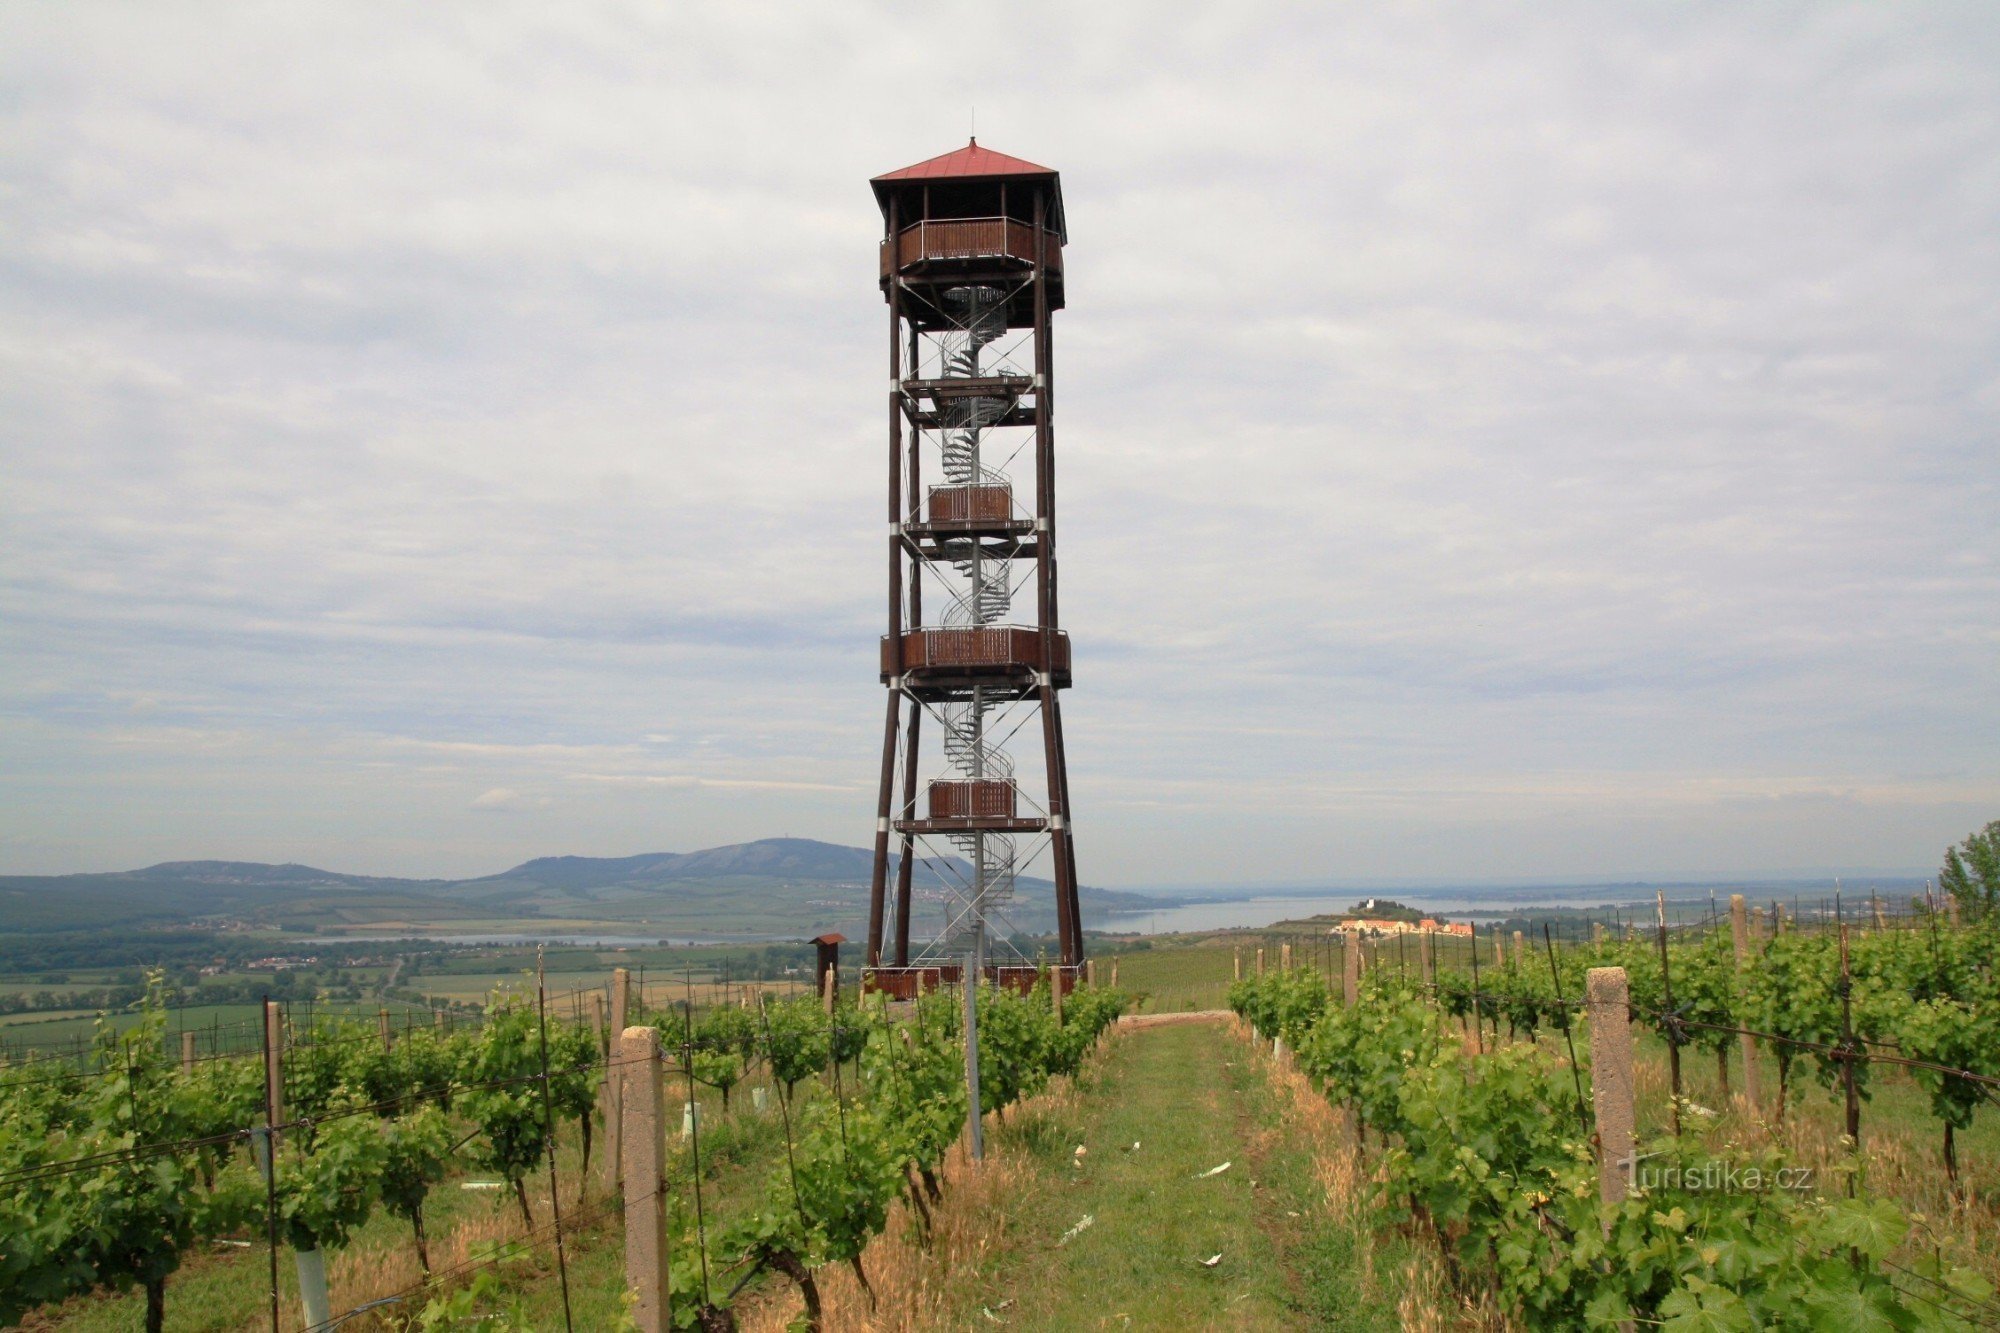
<point>1814,1148</point>
<point>1475,1082</point>
<point>256,1174</point>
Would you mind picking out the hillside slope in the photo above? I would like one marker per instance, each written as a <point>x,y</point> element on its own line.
<point>772,886</point>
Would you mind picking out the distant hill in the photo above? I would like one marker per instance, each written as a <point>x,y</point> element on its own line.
<point>780,858</point>
<point>776,886</point>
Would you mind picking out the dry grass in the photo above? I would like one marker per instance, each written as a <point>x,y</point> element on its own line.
<point>913,1280</point>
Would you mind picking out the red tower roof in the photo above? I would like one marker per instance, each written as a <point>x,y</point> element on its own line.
<point>967,162</point>
<point>967,173</point>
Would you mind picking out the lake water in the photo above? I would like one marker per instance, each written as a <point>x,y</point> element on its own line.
<point>586,941</point>
<point>1253,912</point>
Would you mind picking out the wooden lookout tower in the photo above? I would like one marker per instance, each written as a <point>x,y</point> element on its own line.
<point>972,270</point>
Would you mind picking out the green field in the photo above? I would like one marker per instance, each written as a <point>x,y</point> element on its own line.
<point>218,1027</point>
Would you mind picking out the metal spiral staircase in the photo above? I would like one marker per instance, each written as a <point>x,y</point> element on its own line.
<point>984,598</point>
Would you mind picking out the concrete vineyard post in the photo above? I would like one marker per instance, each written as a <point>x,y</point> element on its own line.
<point>1090,973</point>
<point>639,1097</point>
<point>1517,948</point>
<point>1236,965</point>
<point>1739,927</point>
<point>1427,959</point>
<point>1606,996</point>
<point>1350,971</point>
<point>614,1087</point>
<point>1499,951</point>
<point>1284,957</point>
<point>382,1024</point>
<point>1114,974</point>
<point>187,1052</point>
<point>1260,962</point>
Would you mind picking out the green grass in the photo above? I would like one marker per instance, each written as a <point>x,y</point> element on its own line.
<point>1192,1098</point>
<point>1177,976</point>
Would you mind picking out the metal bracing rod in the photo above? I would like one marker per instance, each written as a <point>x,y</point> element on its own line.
<point>959,906</point>
<point>1008,287</point>
<point>1013,696</point>
<point>1003,706</point>
<point>994,554</point>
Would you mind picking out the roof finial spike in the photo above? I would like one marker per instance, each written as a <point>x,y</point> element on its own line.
<point>972,137</point>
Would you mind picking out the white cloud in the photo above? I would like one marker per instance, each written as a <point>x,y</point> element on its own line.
<point>1493,442</point>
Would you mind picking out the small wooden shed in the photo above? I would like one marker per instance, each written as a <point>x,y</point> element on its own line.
<point>829,959</point>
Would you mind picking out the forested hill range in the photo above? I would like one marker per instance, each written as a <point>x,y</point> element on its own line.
<point>772,886</point>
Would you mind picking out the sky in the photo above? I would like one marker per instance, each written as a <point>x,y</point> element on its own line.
<point>1496,441</point>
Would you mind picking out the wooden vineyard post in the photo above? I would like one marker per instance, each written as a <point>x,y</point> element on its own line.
<point>1055,994</point>
<point>1350,972</point>
<point>1090,973</point>
<point>274,1114</point>
<point>1673,1026</point>
<point>829,992</point>
<point>1739,926</point>
<point>1478,1019</point>
<point>1499,951</point>
<point>614,1087</point>
<point>1849,1049</point>
<point>1427,959</point>
<point>1285,957</point>
<point>1114,974</point>
<point>1236,965</point>
<point>1260,962</point>
<point>1606,996</point>
<point>638,1060</point>
<point>187,1053</point>
<point>382,1025</point>
<point>1518,938</point>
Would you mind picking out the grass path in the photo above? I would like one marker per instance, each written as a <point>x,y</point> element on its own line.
<point>1192,1096</point>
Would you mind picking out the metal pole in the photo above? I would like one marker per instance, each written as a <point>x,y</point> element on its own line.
<point>549,1127</point>
<point>274,1094</point>
<point>1673,1020</point>
<point>975,1128</point>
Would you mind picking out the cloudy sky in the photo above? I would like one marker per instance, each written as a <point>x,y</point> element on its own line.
<point>1497,441</point>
